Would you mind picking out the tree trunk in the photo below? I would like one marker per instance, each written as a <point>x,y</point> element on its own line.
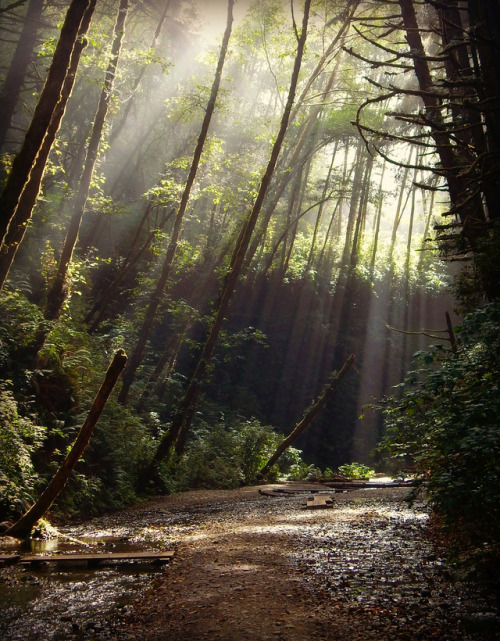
<point>468,209</point>
<point>138,351</point>
<point>182,420</point>
<point>309,416</point>
<point>338,206</point>
<point>23,527</point>
<point>378,220</point>
<point>58,289</point>
<point>29,196</point>
<point>400,207</point>
<point>18,66</point>
<point>300,151</point>
<point>320,212</point>
<point>357,183</point>
<point>50,96</point>
<point>361,215</point>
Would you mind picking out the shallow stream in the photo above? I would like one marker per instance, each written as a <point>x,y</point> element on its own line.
<point>366,556</point>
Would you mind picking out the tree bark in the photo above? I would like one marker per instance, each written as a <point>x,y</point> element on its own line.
<point>29,196</point>
<point>58,289</point>
<point>469,210</point>
<point>309,416</point>
<point>23,527</point>
<point>138,351</point>
<point>50,96</point>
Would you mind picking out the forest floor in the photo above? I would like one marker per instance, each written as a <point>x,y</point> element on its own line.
<point>254,567</point>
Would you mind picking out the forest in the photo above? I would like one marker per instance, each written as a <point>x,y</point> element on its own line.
<point>233,221</point>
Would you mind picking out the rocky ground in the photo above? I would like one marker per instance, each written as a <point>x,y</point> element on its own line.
<point>248,566</point>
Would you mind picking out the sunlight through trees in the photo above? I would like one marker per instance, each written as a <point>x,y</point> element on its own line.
<point>240,195</point>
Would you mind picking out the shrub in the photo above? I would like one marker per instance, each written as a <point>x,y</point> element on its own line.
<point>19,438</point>
<point>356,471</point>
<point>226,456</point>
<point>447,420</point>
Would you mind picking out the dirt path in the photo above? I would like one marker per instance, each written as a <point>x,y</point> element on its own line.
<point>251,567</point>
<point>256,568</point>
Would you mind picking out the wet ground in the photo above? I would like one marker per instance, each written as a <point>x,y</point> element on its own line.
<point>253,567</point>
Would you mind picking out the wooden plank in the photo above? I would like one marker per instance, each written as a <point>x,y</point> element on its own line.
<point>363,485</point>
<point>95,559</point>
<point>9,559</point>
<point>319,501</point>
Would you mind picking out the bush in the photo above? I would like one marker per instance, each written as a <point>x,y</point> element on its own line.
<point>106,476</point>
<point>228,456</point>
<point>447,421</point>
<point>19,438</point>
<point>356,471</point>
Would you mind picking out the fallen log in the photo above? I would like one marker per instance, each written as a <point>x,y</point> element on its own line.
<point>359,485</point>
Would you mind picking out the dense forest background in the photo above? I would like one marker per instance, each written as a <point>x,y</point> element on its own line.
<point>239,195</point>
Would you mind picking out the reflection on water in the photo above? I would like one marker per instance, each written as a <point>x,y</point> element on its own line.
<point>53,603</point>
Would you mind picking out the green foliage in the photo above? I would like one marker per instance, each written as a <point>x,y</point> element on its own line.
<point>356,471</point>
<point>105,479</point>
<point>226,456</point>
<point>447,421</point>
<point>19,321</point>
<point>301,471</point>
<point>19,439</point>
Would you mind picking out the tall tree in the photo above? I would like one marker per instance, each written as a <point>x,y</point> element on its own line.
<point>183,417</point>
<point>29,196</point>
<point>57,292</point>
<point>47,103</point>
<point>155,300</point>
<point>14,80</point>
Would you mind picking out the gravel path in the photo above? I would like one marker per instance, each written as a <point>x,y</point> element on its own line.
<point>251,567</point>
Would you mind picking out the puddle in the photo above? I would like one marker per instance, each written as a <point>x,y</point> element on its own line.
<point>54,603</point>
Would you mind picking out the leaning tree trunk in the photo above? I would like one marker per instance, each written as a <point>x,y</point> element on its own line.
<point>14,80</point>
<point>138,351</point>
<point>19,223</point>
<point>50,96</point>
<point>184,416</point>
<point>57,291</point>
<point>23,527</point>
<point>309,416</point>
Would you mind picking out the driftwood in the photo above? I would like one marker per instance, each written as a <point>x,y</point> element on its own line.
<point>23,527</point>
